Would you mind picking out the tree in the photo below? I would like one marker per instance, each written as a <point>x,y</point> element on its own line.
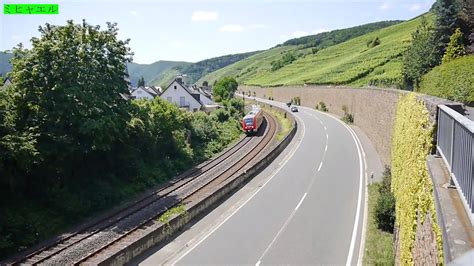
<point>446,22</point>
<point>455,47</point>
<point>205,83</point>
<point>224,89</point>
<point>69,88</point>
<point>466,23</point>
<point>421,56</point>
<point>141,82</point>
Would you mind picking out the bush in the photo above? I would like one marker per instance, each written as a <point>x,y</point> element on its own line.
<point>348,118</point>
<point>453,80</point>
<point>385,211</point>
<point>411,184</point>
<point>321,107</point>
<point>372,43</point>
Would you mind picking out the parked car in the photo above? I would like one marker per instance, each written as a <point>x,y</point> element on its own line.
<point>294,109</point>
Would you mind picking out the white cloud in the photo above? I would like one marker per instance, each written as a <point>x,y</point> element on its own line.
<point>414,7</point>
<point>204,16</point>
<point>385,6</point>
<point>16,37</point>
<point>134,13</point>
<point>319,31</point>
<point>283,37</point>
<point>258,27</point>
<point>231,28</point>
<point>299,33</point>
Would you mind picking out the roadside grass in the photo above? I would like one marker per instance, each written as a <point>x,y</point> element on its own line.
<point>378,244</point>
<point>165,217</point>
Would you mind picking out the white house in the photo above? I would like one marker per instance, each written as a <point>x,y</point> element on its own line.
<point>7,82</point>
<point>189,98</point>
<point>145,92</point>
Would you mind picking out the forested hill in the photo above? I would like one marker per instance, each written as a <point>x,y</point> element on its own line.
<point>150,71</point>
<point>162,72</point>
<point>326,39</point>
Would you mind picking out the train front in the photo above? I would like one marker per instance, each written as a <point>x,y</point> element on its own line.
<point>248,123</point>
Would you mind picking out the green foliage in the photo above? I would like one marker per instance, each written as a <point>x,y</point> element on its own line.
<point>321,107</point>
<point>385,212</point>
<point>296,100</point>
<point>158,73</point>
<point>385,206</point>
<point>446,22</point>
<point>326,39</point>
<point>141,82</point>
<point>455,47</point>
<point>348,118</point>
<point>374,42</point>
<point>411,184</point>
<point>378,243</point>
<point>178,210</point>
<point>197,70</point>
<point>453,80</point>
<point>224,89</point>
<point>65,125</point>
<point>421,56</point>
<point>287,59</point>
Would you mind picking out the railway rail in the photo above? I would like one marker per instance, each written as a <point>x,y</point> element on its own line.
<point>125,224</point>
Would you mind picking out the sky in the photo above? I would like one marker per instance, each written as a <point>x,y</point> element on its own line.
<point>195,30</point>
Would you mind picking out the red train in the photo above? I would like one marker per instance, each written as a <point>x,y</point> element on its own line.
<point>253,120</point>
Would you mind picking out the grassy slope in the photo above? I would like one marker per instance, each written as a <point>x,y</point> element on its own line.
<point>349,63</point>
<point>150,71</point>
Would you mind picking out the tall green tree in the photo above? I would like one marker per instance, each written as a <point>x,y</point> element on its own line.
<point>446,22</point>
<point>224,89</point>
<point>421,56</point>
<point>455,47</point>
<point>466,23</point>
<point>69,86</point>
<point>141,82</point>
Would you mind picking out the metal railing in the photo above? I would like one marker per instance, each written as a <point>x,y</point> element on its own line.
<point>455,144</point>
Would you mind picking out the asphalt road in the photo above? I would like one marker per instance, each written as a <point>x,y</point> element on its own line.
<point>309,211</point>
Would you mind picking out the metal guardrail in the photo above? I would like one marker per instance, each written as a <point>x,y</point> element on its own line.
<point>455,144</point>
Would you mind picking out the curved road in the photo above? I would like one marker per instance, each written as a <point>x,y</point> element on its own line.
<point>309,210</point>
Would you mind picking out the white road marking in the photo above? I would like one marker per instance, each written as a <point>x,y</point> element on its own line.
<point>361,179</point>
<point>286,159</point>
<point>326,149</point>
<point>288,220</point>
<point>258,263</point>
<point>301,201</point>
<point>320,165</point>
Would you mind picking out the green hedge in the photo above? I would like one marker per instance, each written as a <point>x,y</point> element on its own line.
<point>411,183</point>
<point>453,80</point>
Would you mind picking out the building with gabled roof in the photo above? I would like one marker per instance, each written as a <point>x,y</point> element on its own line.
<point>189,98</point>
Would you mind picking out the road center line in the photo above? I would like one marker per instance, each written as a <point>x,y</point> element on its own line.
<point>301,201</point>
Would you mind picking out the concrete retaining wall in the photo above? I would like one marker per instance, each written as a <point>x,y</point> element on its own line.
<point>373,109</point>
<point>194,209</point>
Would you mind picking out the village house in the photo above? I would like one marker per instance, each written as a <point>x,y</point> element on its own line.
<point>148,93</point>
<point>190,98</point>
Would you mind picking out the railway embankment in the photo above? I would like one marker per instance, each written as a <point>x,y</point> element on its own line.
<point>202,203</point>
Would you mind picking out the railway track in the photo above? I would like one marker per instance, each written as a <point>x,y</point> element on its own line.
<point>98,238</point>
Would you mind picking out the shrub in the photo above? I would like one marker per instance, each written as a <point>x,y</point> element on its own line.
<point>455,47</point>
<point>372,43</point>
<point>385,211</point>
<point>410,183</point>
<point>347,117</point>
<point>453,80</point>
<point>321,107</point>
